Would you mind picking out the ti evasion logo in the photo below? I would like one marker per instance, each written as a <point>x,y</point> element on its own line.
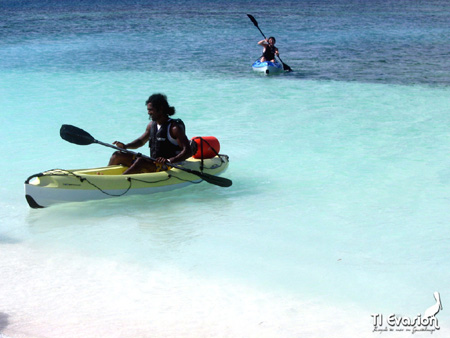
<point>425,322</point>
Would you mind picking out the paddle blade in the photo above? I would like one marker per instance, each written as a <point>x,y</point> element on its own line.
<point>253,20</point>
<point>287,68</point>
<point>216,180</point>
<point>75,135</point>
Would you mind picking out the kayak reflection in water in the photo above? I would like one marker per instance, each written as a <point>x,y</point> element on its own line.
<point>166,136</point>
<point>270,50</point>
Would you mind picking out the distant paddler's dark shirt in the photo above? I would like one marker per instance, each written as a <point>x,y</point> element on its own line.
<point>269,53</point>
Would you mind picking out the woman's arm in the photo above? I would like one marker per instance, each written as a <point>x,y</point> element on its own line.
<point>137,143</point>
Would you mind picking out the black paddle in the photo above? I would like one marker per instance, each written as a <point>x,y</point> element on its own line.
<point>285,66</point>
<point>78,136</point>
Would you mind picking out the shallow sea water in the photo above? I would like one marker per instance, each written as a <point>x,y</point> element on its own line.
<point>338,208</point>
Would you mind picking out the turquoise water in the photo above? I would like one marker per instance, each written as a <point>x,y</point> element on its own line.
<point>341,176</point>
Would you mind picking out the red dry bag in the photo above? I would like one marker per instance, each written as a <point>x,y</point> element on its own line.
<point>207,146</point>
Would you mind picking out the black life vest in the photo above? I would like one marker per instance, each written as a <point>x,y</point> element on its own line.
<point>159,142</point>
<point>269,53</point>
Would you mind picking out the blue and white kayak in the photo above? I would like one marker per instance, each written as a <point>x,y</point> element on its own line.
<point>268,67</point>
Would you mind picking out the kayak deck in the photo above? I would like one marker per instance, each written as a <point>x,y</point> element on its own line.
<point>267,67</point>
<point>59,185</point>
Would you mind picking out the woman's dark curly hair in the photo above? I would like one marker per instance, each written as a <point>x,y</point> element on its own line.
<point>159,102</point>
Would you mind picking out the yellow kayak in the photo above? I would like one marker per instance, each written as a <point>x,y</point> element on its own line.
<point>59,186</point>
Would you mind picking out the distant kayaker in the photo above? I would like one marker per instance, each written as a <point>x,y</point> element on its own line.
<point>167,140</point>
<point>270,50</point>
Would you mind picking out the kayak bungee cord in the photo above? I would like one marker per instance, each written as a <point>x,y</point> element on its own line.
<point>203,140</point>
<point>101,190</point>
<point>63,172</point>
<point>82,179</point>
<point>130,180</point>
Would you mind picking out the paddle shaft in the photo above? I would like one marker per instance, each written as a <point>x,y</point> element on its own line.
<point>261,32</point>
<point>220,181</point>
<point>78,136</point>
<point>135,153</point>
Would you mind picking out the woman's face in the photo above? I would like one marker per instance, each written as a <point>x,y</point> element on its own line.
<point>153,113</point>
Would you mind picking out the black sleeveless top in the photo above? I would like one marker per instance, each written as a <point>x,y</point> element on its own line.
<point>159,143</point>
<point>269,53</point>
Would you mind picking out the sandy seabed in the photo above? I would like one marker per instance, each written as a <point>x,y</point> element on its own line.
<point>75,296</point>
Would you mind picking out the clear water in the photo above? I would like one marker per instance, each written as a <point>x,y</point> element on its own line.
<point>341,173</point>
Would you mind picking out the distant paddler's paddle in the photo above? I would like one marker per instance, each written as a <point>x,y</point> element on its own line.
<point>78,136</point>
<point>285,66</point>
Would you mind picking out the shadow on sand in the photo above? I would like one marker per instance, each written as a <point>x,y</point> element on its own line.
<point>3,322</point>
